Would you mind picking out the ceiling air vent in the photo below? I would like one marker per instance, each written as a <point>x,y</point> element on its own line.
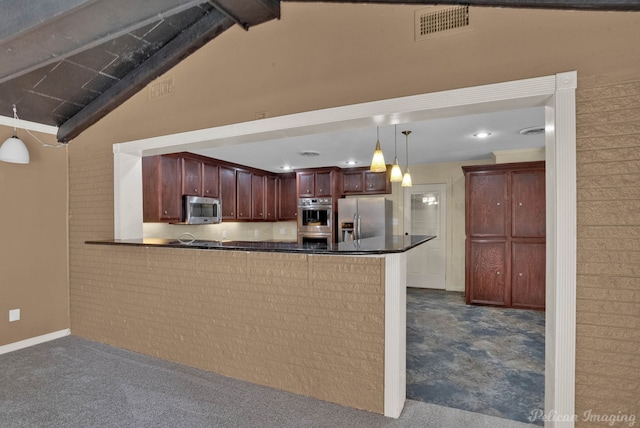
<point>436,20</point>
<point>309,153</point>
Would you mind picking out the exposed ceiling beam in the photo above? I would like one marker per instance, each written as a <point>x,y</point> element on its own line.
<point>603,5</point>
<point>39,36</point>
<point>187,42</point>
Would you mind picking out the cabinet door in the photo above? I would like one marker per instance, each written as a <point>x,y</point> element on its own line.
<point>287,197</point>
<point>486,276</point>
<point>377,182</point>
<point>210,181</point>
<point>487,204</point>
<point>228,192</point>
<point>243,195</point>
<point>306,184</point>
<point>323,183</point>
<point>352,182</point>
<point>270,202</point>
<point>528,204</point>
<point>258,197</point>
<point>528,275</point>
<point>191,177</point>
<point>161,191</point>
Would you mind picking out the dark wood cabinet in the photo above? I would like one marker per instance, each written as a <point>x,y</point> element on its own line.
<point>243,195</point>
<point>161,195</point>
<point>505,235</point>
<point>363,181</point>
<point>306,184</point>
<point>228,192</point>
<point>270,198</point>
<point>324,183</point>
<point>320,182</point>
<point>191,177</point>
<point>210,180</point>
<point>287,197</point>
<point>258,194</point>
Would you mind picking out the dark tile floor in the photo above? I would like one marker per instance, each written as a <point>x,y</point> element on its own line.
<point>482,359</point>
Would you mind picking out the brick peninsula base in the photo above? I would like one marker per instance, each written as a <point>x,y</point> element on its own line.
<point>325,326</point>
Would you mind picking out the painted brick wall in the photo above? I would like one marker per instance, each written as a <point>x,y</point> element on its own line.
<point>608,283</point>
<point>312,325</point>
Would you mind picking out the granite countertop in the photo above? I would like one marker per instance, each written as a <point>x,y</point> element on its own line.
<point>377,245</point>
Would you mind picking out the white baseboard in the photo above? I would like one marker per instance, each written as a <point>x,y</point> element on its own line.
<point>4,349</point>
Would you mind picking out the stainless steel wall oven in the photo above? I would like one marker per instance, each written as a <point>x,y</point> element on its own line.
<point>315,220</point>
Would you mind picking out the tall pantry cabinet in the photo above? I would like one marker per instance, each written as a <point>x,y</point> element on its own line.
<point>505,235</point>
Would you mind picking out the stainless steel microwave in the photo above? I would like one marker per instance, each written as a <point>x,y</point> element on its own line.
<point>199,210</point>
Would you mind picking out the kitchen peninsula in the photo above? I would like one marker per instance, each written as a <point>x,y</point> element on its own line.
<point>329,322</point>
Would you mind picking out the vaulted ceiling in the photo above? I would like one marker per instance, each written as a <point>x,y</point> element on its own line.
<point>68,63</point>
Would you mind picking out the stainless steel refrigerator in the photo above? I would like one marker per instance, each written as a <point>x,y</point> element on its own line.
<point>360,218</point>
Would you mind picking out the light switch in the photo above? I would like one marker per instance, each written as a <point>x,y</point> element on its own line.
<point>14,315</point>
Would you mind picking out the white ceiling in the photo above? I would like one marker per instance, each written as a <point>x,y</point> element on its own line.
<point>431,141</point>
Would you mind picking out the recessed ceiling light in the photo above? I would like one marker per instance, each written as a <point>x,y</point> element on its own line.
<point>482,134</point>
<point>350,162</point>
<point>286,167</point>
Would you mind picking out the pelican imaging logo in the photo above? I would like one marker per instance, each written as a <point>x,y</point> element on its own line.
<point>611,419</point>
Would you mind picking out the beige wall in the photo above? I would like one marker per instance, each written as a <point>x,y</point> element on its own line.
<point>608,292</point>
<point>312,325</point>
<point>321,55</point>
<point>33,253</point>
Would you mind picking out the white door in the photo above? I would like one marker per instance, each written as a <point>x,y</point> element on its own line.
<point>425,207</point>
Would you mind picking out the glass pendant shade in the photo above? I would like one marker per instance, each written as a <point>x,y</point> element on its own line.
<point>13,150</point>
<point>377,163</point>
<point>406,178</point>
<point>396,172</point>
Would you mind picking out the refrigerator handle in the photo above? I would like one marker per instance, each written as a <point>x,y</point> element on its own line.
<point>358,226</point>
<point>355,227</point>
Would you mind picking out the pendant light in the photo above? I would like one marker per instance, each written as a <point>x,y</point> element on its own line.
<point>377,163</point>
<point>13,149</point>
<point>406,179</point>
<point>396,172</point>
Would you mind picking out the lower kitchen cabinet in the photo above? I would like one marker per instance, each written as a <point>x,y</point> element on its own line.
<point>527,278</point>
<point>486,272</point>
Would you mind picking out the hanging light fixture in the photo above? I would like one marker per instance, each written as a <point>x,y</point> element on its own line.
<point>13,149</point>
<point>396,172</point>
<point>406,179</point>
<point>377,163</point>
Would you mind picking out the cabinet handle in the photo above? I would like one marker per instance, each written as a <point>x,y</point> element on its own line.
<point>498,204</point>
<point>166,212</point>
<point>497,273</point>
<point>195,190</point>
<point>520,274</point>
<point>519,203</point>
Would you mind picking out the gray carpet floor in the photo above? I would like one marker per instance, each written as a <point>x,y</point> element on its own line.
<point>477,358</point>
<point>74,382</point>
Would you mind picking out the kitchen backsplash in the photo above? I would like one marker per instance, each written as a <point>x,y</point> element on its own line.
<point>240,231</point>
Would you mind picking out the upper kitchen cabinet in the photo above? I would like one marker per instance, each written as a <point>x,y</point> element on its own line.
<point>228,192</point>
<point>270,198</point>
<point>505,228</point>
<point>161,184</point>
<point>243,195</point>
<point>319,182</point>
<point>199,177</point>
<point>287,197</point>
<point>361,181</point>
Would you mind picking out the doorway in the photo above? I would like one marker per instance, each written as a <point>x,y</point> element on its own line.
<point>555,92</point>
<point>425,206</point>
